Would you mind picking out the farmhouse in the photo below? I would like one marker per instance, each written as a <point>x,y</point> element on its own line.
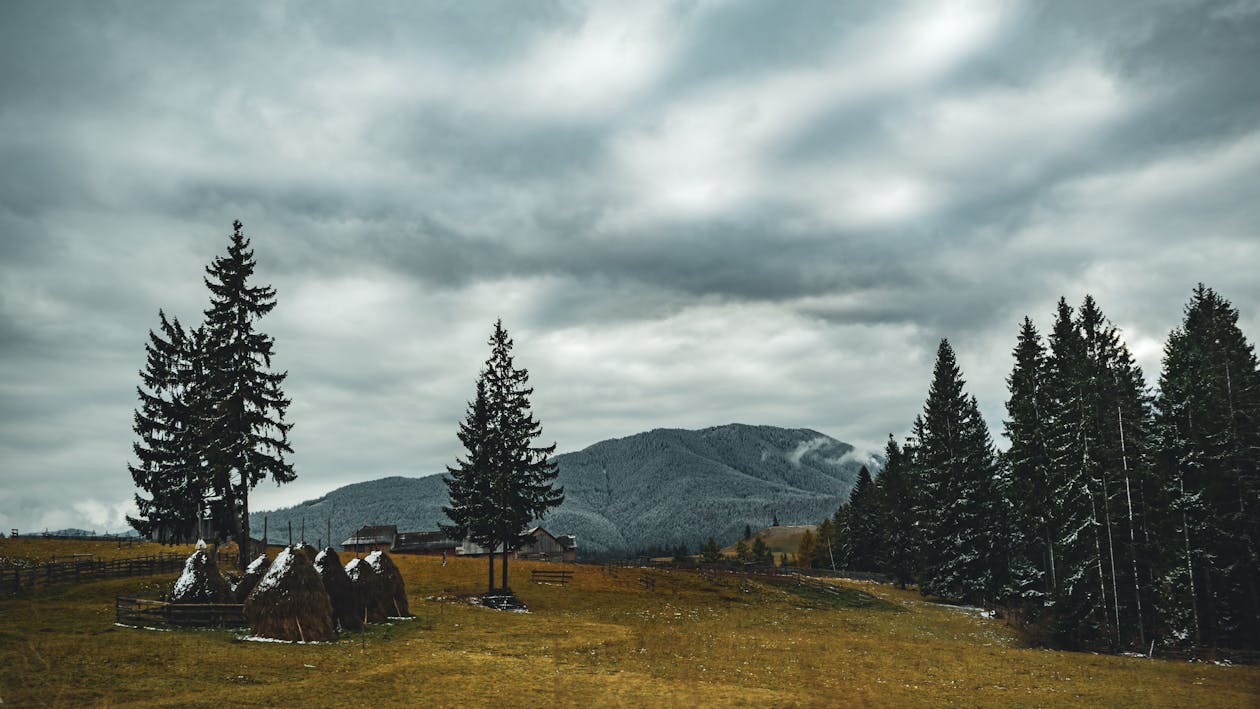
<point>377,537</point>
<point>542,546</point>
<point>426,543</point>
<point>386,537</point>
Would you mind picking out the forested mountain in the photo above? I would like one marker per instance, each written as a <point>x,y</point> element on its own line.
<point>660,488</point>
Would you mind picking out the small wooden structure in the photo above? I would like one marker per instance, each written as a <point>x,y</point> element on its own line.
<point>560,576</point>
<point>545,546</point>
<point>146,613</point>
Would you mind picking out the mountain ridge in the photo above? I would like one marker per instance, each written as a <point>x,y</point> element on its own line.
<point>663,487</point>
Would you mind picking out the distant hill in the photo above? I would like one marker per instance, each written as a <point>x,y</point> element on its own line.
<point>660,488</point>
<point>779,540</point>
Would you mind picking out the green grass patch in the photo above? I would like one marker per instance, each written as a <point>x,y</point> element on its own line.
<point>825,595</point>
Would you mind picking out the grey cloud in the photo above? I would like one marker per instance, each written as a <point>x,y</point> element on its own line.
<point>400,200</point>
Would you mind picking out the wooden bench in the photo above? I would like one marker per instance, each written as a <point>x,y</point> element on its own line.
<point>559,576</point>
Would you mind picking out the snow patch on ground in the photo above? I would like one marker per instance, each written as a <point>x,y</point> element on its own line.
<point>143,627</point>
<point>971,610</point>
<point>259,639</point>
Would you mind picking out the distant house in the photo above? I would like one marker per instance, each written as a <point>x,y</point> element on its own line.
<point>544,546</point>
<point>379,537</point>
<point>427,543</point>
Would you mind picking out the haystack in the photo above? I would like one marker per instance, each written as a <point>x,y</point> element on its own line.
<point>393,591</point>
<point>253,574</point>
<point>290,602</point>
<point>367,590</point>
<point>201,582</point>
<point>308,550</point>
<point>347,613</point>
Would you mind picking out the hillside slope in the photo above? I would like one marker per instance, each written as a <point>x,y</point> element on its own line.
<point>662,487</point>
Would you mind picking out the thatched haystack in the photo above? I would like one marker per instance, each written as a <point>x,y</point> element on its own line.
<point>201,582</point>
<point>393,591</point>
<point>290,602</point>
<point>368,592</point>
<point>308,550</point>
<point>347,613</point>
<point>253,574</point>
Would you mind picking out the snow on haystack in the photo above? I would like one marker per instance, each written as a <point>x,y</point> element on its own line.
<point>289,602</point>
<point>393,590</point>
<point>253,574</point>
<point>347,612</point>
<point>368,591</point>
<point>200,582</point>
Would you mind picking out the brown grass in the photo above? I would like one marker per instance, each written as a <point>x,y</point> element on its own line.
<point>697,641</point>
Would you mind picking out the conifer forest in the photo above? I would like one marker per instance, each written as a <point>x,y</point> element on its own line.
<point>1118,517</point>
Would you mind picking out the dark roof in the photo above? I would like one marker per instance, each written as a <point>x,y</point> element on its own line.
<point>372,534</point>
<point>420,541</point>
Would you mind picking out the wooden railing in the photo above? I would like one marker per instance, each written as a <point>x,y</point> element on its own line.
<point>33,578</point>
<point>146,613</point>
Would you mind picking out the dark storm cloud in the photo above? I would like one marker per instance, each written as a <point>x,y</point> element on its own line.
<point>687,213</point>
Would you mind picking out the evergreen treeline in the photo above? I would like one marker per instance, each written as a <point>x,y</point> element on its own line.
<point>1117,518</point>
<point>211,417</point>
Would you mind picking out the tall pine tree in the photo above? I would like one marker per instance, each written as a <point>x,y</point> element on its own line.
<point>862,535</point>
<point>1209,430</point>
<point>896,517</point>
<point>473,510</point>
<point>247,434</point>
<point>524,474</point>
<point>957,463</point>
<point>1033,531</point>
<point>169,451</point>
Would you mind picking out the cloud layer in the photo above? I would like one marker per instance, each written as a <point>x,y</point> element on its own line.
<point>687,214</point>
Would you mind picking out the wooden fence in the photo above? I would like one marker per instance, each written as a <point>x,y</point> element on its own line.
<point>34,578</point>
<point>146,613</point>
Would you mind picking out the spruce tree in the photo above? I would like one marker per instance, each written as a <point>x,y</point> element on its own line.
<point>959,471</point>
<point>1081,604</point>
<point>169,450</point>
<point>896,517</point>
<point>469,482</point>
<point>826,543</point>
<point>761,553</point>
<point>1209,430</point>
<point>862,525</point>
<point>1033,532</point>
<point>710,552</point>
<point>523,479</point>
<point>248,437</point>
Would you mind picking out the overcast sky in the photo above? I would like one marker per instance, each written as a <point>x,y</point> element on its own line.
<point>686,214</point>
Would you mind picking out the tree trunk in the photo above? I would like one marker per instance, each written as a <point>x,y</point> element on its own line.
<point>242,540</point>
<point>490,558</point>
<point>503,579</point>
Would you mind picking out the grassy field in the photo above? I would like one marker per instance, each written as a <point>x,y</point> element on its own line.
<point>698,640</point>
